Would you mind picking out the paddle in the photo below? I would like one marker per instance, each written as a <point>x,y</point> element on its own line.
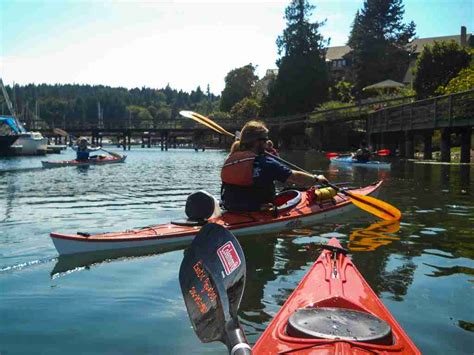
<point>372,205</point>
<point>212,279</point>
<point>63,133</point>
<point>381,153</point>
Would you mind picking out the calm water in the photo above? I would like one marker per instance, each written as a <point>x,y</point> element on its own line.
<point>424,273</point>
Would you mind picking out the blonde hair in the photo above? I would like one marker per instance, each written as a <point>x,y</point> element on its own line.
<point>252,131</point>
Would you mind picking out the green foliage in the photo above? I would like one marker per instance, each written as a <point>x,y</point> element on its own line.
<point>437,65</point>
<point>342,91</point>
<point>331,105</point>
<point>245,109</point>
<point>219,115</point>
<point>76,105</point>
<point>462,82</point>
<point>302,80</point>
<point>239,84</point>
<point>379,41</point>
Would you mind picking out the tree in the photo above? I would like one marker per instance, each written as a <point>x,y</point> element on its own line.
<point>342,91</point>
<point>239,84</point>
<point>462,82</point>
<point>245,109</point>
<point>302,80</point>
<point>379,41</point>
<point>437,65</point>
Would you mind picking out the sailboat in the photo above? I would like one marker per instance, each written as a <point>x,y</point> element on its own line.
<point>27,143</point>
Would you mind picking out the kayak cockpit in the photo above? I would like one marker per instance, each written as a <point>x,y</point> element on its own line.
<point>336,323</point>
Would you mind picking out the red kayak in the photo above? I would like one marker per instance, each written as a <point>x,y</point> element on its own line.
<point>295,209</point>
<point>100,160</point>
<point>334,311</point>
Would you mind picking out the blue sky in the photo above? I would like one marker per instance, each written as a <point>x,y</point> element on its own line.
<point>184,43</point>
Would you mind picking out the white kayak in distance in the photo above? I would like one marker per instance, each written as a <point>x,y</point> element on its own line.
<point>99,160</point>
<point>348,161</point>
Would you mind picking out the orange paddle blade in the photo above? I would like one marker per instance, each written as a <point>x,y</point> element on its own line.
<point>375,206</point>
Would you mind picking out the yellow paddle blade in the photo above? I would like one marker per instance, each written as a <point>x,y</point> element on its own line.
<point>205,121</point>
<point>375,206</point>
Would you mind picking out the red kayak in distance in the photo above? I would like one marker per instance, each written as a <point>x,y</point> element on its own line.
<point>101,160</point>
<point>334,311</point>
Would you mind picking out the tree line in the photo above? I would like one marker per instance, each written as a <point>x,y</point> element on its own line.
<point>72,105</point>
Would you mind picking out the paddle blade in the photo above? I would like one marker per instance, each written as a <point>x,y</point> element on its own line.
<point>331,155</point>
<point>212,279</point>
<point>375,206</point>
<point>205,121</point>
<point>60,132</point>
<point>383,152</point>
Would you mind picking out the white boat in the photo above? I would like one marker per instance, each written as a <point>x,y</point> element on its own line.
<point>31,143</point>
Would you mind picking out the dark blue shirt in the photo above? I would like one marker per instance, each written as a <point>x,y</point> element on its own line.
<point>266,171</point>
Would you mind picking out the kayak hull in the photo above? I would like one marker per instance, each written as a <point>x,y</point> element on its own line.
<point>320,288</point>
<point>303,214</point>
<point>370,164</point>
<point>63,163</point>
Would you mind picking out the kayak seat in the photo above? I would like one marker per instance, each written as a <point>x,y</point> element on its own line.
<point>287,199</point>
<point>339,323</point>
<point>200,206</point>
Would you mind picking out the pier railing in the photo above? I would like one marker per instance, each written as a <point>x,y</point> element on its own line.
<point>455,110</point>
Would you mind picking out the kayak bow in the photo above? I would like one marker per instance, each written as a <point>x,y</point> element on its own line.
<point>301,211</point>
<point>334,311</point>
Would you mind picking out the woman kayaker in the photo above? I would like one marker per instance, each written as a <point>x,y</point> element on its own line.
<point>248,175</point>
<point>363,154</point>
<point>83,149</point>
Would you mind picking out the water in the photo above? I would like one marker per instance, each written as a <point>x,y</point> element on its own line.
<point>423,273</point>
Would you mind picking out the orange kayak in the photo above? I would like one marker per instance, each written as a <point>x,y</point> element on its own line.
<point>296,209</point>
<point>334,311</point>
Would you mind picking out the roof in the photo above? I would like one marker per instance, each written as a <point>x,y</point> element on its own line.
<point>334,53</point>
<point>338,52</point>
<point>419,43</point>
<point>386,84</point>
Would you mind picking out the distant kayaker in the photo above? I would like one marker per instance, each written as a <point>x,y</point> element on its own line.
<point>362,154</point>
<point>271,149</point>
<point>248,175</point>
<point>83,149</point>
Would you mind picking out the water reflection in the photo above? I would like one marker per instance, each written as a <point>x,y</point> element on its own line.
<point>374,236</point>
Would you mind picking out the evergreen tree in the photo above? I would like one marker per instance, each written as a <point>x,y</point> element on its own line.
<point>239,84</point>
<point>379,40</point>
<point>302,80</point>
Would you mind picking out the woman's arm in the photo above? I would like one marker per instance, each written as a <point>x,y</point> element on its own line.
<point>303,179</point>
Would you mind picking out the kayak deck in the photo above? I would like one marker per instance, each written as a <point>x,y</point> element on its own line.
<point>332,284</point>
<point>305,213</point>
<point>99,161</point>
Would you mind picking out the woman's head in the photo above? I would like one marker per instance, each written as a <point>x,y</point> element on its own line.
<point>254,136</point>
<point>269,144</point>
<point>82,142</point>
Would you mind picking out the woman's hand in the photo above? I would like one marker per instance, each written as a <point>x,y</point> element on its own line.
<point>321,179</point>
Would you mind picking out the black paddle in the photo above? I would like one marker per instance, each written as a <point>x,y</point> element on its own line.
<point>212,278</point>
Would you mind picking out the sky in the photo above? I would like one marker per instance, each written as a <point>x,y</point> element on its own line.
<point>184,43</point>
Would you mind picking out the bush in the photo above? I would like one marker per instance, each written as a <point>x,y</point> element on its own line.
<point>246,108</point>
<point>462,82</point>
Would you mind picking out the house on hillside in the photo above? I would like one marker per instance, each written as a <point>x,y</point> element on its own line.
<point>339,61</point>
<point>340,65</point>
